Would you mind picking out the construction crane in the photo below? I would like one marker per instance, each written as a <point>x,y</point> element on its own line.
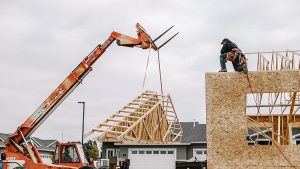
<point>18,154</point>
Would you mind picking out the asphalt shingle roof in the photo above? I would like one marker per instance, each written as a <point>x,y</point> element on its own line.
<point>45,145</point>
<point>193,133</point>
<point>3,137</point>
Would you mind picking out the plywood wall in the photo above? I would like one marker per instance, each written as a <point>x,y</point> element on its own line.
<point>226,120</point>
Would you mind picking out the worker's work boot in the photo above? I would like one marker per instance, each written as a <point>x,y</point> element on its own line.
<point>223,70</point>
<point>245,69</point>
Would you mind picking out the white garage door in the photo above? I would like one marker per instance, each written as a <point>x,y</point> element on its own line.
<point>152,158</point>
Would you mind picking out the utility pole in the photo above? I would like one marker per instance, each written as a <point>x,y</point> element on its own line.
<point>83,109</point>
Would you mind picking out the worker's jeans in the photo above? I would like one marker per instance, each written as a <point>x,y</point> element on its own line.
<point>235,63</point>
<point>223,60</point>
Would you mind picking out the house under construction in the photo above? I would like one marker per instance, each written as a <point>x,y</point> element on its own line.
<point>253,120</point>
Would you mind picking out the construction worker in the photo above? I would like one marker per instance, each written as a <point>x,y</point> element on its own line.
<point>231,52</point>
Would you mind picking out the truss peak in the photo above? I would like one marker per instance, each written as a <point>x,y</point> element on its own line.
<point>148,118</point>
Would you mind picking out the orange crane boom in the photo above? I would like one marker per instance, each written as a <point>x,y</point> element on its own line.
<point>74,79</point>
<point>17,149</point>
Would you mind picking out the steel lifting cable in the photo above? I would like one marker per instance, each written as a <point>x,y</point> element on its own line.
<point>160,78</point>
<point>159,69</point>
<point>277,146</point>
<point>145,75</point>
<point>146,69</point>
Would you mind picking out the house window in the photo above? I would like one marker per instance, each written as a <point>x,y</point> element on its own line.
<point>148,152</point>
<point>170,152</point>
<point>199,154</point>
<point>264,142</point>
<point>163,152</point>
<point>134,152</point>
<point>155,152</point>
<point>296,134</point>
<point>110,153</point>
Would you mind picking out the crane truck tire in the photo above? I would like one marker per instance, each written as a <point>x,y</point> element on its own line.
<point>87,167</point>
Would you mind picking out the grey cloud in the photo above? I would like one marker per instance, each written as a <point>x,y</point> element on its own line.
<point>42,41</point>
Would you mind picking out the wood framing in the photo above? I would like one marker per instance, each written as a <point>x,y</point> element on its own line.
<point>148,118</point>
<point>279,108</point>
<point>227,122</point>
<point>280,125</point>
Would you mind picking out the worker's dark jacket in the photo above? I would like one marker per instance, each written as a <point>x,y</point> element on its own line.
<point>227,47</point>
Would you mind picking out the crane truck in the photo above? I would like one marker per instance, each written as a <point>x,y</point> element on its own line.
<point>18,154</point>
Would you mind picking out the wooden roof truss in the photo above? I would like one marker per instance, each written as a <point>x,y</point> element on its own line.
<point>148,118</point>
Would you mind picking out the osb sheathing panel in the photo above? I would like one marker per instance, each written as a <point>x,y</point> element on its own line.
<point>226,121</point>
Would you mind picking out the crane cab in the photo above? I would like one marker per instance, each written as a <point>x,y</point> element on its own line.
<point>70,154</point>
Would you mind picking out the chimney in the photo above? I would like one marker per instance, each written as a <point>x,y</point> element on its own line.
<point>194,122</point>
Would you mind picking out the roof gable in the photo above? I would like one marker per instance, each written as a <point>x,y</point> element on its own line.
<point>149,118</point>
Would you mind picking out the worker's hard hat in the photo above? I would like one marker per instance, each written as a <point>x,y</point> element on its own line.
<point>224,40</point>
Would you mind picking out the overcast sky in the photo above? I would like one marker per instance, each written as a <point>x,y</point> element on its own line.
<point>41,42</point>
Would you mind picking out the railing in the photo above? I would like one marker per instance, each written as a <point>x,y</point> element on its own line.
<point>277,60</point>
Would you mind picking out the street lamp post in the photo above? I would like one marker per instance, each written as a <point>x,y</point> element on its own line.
<point>83,109</point>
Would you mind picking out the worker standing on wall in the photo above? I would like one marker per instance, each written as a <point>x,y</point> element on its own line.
<point>231,52</point>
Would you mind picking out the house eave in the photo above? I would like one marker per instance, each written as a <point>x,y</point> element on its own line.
<point>135,144</point>
<point>46,150</point>
<point>198,142</point>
